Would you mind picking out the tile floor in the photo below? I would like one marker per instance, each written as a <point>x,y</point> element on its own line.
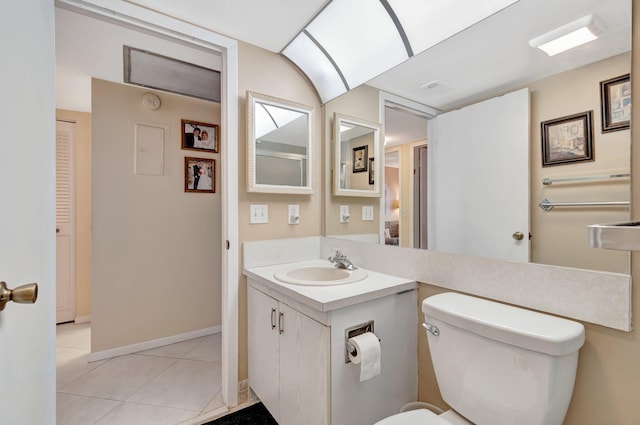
<point>166,385</point>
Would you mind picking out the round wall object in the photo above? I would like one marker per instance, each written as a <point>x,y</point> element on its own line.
<point>151,101</point>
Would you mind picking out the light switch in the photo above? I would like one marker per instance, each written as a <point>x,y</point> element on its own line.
<point>294,214</point>
<point>259,214</point>
<point>344,214</point>
<point>367,213</point>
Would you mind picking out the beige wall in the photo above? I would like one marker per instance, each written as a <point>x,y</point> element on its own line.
<point>83,209</point>
<point>271,74</point>
<point>156,250</point>
<point>608,377</point>
<point>362,102</point>
<point>559,235</point>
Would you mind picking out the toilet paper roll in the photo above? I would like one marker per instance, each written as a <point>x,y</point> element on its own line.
<point>367,355</point>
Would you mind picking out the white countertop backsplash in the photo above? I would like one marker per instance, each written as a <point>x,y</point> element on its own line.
<point>596,297</point>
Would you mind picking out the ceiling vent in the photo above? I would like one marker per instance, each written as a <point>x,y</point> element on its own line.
<point>155,71</point>
<point>436,86</point>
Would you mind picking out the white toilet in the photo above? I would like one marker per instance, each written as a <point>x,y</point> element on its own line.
<point>496,364</point>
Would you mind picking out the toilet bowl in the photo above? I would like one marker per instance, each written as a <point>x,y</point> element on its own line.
<point>497,364</point>
<point>424,417</point>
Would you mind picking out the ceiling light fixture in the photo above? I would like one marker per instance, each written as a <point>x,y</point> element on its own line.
<point>345,127</point>
<point>351,41</point>
<point>568,36</point>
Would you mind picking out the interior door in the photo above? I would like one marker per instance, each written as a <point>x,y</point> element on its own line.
<point>65,223</point>
<point>479,179</point>
<point>27,208</point>
<point>420,197</point>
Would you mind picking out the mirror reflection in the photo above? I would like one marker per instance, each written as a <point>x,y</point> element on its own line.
<point>279,145</point>
<point>559,86</point>
<point>356,145</point>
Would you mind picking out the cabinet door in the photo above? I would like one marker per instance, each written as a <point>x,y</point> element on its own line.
<point>304,370</point>
<point>263,349</point>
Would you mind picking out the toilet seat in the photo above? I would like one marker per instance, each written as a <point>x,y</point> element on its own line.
<point>414,417</point>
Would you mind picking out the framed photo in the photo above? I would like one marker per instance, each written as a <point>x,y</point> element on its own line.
<point>615,100</point>
<point>371,168</point>
<point>360,158</point>
<point>199,175</point>
<point>200,136</point>
<point>568,139</point>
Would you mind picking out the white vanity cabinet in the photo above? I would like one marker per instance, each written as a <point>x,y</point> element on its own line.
<point>289,361</point>
<point>297,336</point>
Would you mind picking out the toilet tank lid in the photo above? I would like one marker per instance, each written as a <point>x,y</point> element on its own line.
<point>512,325</point>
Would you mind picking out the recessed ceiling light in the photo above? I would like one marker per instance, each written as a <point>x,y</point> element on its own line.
<point>568,36</point>
<point>345,127</point>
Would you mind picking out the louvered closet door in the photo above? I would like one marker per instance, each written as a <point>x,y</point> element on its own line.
<point>65,223</point>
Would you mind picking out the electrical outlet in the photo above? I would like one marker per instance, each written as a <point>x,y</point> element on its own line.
<point>344,214</point>
<point>294,214</point>
<point>367,213</point>
<point>259,214</point>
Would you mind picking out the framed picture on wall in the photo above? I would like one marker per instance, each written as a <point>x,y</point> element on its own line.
<point>567,139</point>
<point>371,176</point>
<point>615,100</point>
<point>199,175</point>
<point>360,158</point>
<point>200,136</point>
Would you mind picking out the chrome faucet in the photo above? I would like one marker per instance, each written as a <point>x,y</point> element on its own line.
<point>341,260</point>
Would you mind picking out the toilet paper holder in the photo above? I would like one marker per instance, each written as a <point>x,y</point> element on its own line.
<point>355,331</point>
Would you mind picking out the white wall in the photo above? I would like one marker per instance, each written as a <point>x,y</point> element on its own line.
<point>88,47</point>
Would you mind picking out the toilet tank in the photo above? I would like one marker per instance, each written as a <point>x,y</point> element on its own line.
<point>501,365</point>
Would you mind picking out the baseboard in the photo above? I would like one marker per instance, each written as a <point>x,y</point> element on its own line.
<point>155,343</point>
<point>82,319</point>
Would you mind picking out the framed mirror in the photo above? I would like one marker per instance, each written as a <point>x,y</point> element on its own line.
<point>356,147</point>
<point>280,140</point>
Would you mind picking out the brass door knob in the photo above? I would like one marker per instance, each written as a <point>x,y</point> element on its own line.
<point>25,294</point>
<point>518,236</point>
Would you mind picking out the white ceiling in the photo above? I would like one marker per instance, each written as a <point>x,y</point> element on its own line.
<point>270,24</point>
<point>491,57</point>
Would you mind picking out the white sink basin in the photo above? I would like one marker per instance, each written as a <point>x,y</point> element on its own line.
<point>319,275</point>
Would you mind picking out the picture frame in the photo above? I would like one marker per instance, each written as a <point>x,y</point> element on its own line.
<point>567,139</point>
<point>371,171</point>
<point>199,175</point>
<point>615,101</point>
<point>360,159</point>
<point>200,136</point>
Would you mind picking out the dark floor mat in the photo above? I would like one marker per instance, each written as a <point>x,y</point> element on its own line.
<point>256,414</point>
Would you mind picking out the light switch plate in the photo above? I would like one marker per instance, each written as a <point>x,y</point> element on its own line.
<point>259,214</point>
<point>294,214</point>
<point>344,214</point>
<point>367,213</point>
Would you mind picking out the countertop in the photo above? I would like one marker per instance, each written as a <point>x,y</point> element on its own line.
<point>332,297</point>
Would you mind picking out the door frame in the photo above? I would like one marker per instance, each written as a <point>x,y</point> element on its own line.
<point>146,20</point>
<point>412,206</point>
<point>388,99</point>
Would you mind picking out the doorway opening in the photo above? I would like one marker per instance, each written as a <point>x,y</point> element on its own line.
<point>405,197</point>
<point>173,31</point>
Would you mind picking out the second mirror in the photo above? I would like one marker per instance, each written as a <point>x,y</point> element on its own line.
<point>356,147</point>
